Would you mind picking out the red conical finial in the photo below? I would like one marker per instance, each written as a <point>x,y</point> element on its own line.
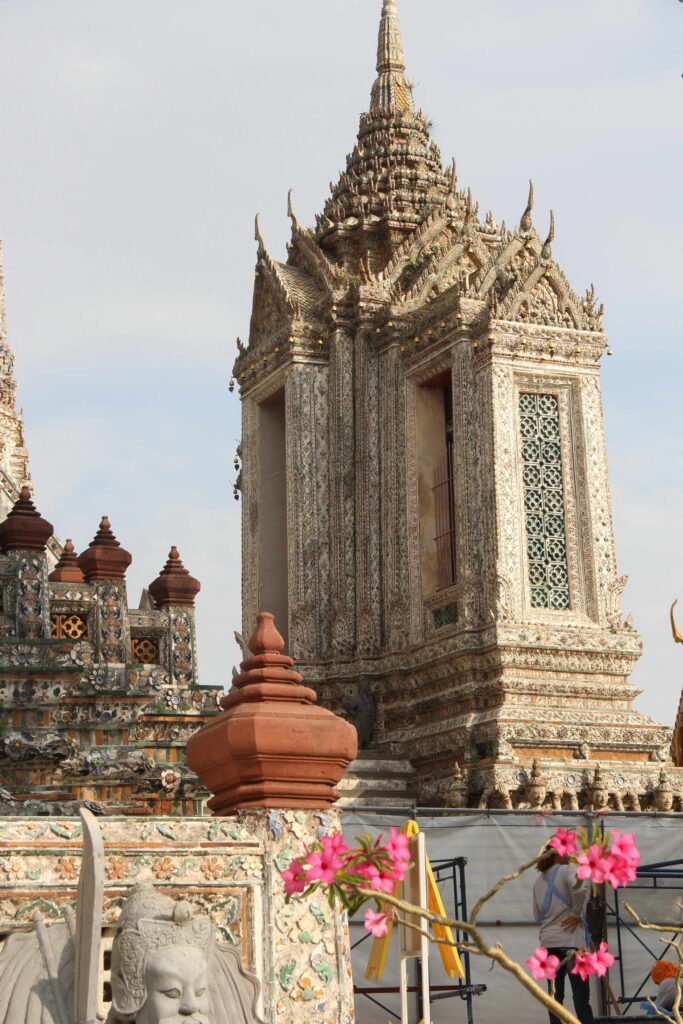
<point>67,569</point>
<point>104,558</point>
<point>174,585</point>
<point>24,529</point>
<point>273,746</point>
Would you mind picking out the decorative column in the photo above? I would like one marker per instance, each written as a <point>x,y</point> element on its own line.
<point>23,538</point>
<point>174,591</point>
<point>104,564</point>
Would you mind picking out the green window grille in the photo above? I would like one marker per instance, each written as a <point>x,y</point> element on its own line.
<point>544,501</point>
<point>446,616</point>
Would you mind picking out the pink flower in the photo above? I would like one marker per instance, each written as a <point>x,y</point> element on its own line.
<point>594,864</point>
<point>294,878</point>
<point>543,964</point>
<point>376,923</point>
<point>334,845</point>
<point>585,964</point>
<point>382,881</point>
<point>602,959</point>
<point>398,871</point>
<point>397,846</point>
<point>625,846</point>
<point>621,871</point>
<point>322,866</point>
<point>563,842</point>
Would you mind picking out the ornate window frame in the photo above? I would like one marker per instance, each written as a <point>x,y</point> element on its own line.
<point>580,563</point>
<point>423,608</point>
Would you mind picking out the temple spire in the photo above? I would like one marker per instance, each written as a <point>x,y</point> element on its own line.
<point>392,92</point>
<point>3,322</point>
<point>8,385</point>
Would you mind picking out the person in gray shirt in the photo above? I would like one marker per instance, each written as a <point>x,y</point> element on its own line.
<point>559,909</point>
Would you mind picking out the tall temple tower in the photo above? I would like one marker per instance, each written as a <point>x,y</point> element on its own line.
<point>14,471</point>
<point>426,504</point>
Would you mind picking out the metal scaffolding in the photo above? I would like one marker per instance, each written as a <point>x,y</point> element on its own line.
<point>450,877</point>
<point>655,877</point>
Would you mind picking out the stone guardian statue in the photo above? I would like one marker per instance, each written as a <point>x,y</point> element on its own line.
<point>166,968</point>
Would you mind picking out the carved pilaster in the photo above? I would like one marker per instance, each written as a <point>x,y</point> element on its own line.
<point>250,484</point>
<point>342,493</point>
<point>112,640</point>
<point>182,647</point>
<point>368,525</point>
<point>466,482</point>
<point>32,607</point>
<point>392,387</point>
<point>493,557</point>
<point>600,525</point>
<point>308,510</point>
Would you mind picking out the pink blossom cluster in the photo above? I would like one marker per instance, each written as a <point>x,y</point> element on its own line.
<point>616,865</point>
<point>374,866</point>
<point>597,861</point>
<point>611,859</point>
<point>543,964</point>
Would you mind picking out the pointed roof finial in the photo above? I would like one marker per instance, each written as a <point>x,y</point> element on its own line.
<point>67,569</point>
<point>392,92</point>
<point>290,212</point>
<point>174,585</point>
<point>24,529</point>
<point>104,558</point>
<point>546,251</point>
<point>257,234</point>
<point>525,223</point>
<point>453,177</point>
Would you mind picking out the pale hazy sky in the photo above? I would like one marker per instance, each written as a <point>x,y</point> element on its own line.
<point>137,140</point>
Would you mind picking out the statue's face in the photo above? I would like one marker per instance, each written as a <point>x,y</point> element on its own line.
<point>177,987</point>
<point>536,795</point>
<point>664,799</point>
<point>600,798</point>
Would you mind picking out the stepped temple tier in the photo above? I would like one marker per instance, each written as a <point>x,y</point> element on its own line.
<point>426,502</point>
<point>98,699</point>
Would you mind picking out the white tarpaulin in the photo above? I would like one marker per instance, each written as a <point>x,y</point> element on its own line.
<point>494,844</point>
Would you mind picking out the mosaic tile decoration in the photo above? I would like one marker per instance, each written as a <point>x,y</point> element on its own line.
<point>544,501</point>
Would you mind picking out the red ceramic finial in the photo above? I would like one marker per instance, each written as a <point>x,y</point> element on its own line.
<point>67,569</point>
<point>265,639</point>
<point>272,746</point>
<point>104,558</point>
<point>24,529</point>
<point>174,585</point>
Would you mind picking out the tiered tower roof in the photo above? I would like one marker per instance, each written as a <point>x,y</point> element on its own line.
<point>397,233</point>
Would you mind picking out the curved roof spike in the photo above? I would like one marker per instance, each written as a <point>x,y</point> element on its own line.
<point>546,252</point>
<point>257,233</point>
<point>525,223</point>
<point>290,211</point>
